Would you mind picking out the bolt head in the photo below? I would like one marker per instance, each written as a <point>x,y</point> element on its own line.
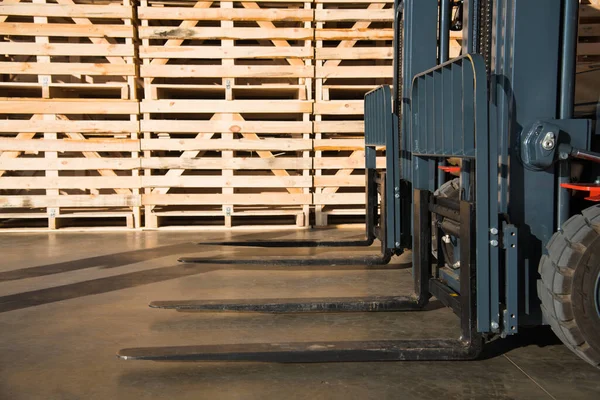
<point>549,141</point>
<point>494,231</point>
<point>397,244</point>
<point>397,196</point>
<point>494,243</point>
<point>495,325</point>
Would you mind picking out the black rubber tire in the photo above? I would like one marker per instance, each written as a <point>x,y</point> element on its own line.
<point>451,190</point>
<point>567,289</point>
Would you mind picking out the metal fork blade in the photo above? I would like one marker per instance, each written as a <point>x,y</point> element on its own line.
<point>292,243</point>
<point>314,305</point>
<point>313,352</point>
<point>367,260</point>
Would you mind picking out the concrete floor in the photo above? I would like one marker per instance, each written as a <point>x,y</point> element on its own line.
<point>69,301</point>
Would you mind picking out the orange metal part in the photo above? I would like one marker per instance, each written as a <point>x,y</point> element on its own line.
<point>592,188</point>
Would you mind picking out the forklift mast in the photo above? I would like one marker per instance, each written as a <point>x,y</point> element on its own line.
<point>500,117</point>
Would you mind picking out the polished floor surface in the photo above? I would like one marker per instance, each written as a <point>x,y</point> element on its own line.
<point>69,301</point>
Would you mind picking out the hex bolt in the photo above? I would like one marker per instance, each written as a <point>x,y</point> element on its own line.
<point>494,242</point>
<point>494,231</point>
<point>397,244</point>
<point>397,195</point>
<point>495,325</point>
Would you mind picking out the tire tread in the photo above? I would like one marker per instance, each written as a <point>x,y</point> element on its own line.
<point>565,249</point>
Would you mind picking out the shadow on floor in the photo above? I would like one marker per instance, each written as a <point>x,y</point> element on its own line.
<point>104,261</point>
<point>541,336</point>
<point>133,279</point>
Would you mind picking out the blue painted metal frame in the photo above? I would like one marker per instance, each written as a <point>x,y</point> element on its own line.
<point>440,129</point>
<point>381,129</point>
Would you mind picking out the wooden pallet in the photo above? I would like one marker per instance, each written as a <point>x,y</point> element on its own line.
<point>226,110</point>
<point>67,48</point>
<point>69,132</point>
<point>55,160</point>
<point>354,54</point>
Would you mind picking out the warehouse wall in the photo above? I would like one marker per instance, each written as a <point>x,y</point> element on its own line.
<point>182,112</point>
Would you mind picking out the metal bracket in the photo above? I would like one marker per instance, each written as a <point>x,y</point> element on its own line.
<point>510,320</point>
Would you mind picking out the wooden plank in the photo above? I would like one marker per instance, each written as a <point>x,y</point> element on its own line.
<point>344,163</point>
<point>354,34</point>
<point>339,198</point>
<point>67,106</point>
<point>219,199</point>
<point>224,106</point>
<point>226,71</point>
<point>589,11</point>
<point>226,14</point>
<point>237,163</point>
<point>58,10</point>
<point>90,126</point>
<point>588,49</point>
<point>589,30</point>
<point>352,15</point>
<point>104,39</point>
<point>360,25</point>
<point>94,155</point>
<point>4,17</point>
<point>69,201</point>
<point>339,181</point>
<point>182,126</point>
<point>339,144</point>
<point>68,164</point>
<point>182,25</point>
<point>66,145</point>
<point>339,127</point>
<point>371,71</point>
<point>224,144</point>
<point>64,49</point>
<point>202,181</point>
<point>217,53</point>
<point>70,182</point>
<point>270,25</point>
<point>340,107</point>
<point>67,68</point>
<point>208,33</point>
<point>354,53</point>
<point>67,30</point>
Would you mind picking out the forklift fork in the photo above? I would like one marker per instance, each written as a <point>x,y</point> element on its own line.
<point>468,346</point>
<point>376,217</point>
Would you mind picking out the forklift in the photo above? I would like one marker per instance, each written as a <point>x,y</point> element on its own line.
<point>490,181</point>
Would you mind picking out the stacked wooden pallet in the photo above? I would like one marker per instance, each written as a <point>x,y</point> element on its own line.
<point>226,110</point>
<point>353,55</point>
<point>68,135</point>
<point>588,49</point>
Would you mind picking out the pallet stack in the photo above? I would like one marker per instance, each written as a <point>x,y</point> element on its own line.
<point>68,136</point>
<point>353,55</point>
<point>197,112</point>
<point>226,110</point>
